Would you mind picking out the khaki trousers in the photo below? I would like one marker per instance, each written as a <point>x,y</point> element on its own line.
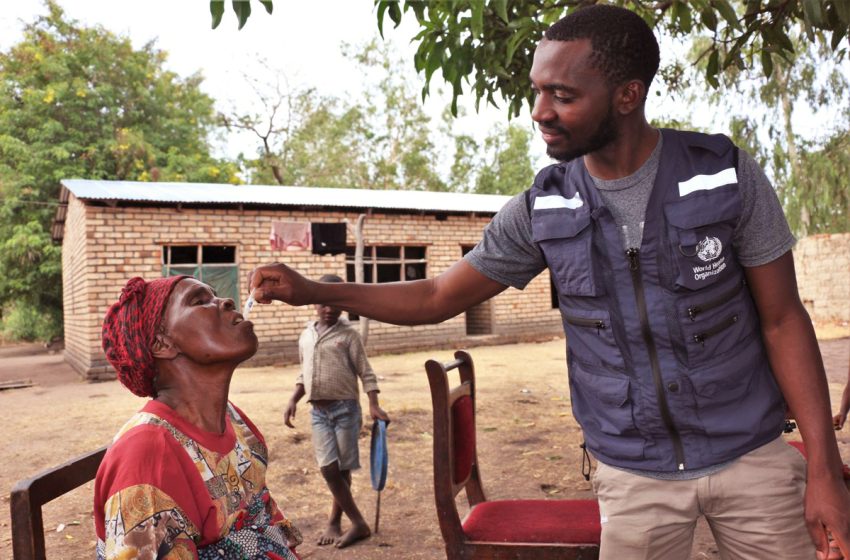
<point>754,508</point>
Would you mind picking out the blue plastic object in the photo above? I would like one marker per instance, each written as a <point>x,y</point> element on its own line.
<point>379,459</point>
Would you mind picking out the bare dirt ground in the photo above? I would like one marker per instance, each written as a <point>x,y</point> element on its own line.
<point>528,442</point>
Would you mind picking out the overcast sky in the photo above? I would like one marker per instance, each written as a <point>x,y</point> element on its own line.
<point>301,37</point>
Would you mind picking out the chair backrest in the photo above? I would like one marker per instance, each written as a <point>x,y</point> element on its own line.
<point>29,495</point>
<point>455,457</point>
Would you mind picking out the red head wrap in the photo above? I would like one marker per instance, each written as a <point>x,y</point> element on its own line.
<point>129,330</point>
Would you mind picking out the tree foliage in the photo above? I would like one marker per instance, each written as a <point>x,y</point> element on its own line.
<point>804,166</point>
<point>242,9</point>
<point>383,140</point>
<point>380,139</point>
<point>486,46</point>
<point>80,102</point>
<point>508,169</point>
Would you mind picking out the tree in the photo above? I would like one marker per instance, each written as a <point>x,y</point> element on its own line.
<point>81,102</point>
<point>487,45</point>
<point>510,170</point>
<point>403,155</point>
<point>380,141</point>
<point>805,170</point>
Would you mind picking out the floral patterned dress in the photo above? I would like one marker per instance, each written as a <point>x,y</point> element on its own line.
<point>167,489</point>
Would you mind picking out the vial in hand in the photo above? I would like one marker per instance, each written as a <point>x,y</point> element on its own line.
<point>249,305</point>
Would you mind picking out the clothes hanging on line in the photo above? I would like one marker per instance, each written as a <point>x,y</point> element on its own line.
<point>291,236</point>
<point>328,239</point>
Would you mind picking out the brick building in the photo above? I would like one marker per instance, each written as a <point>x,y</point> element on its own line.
<point>112,230</point>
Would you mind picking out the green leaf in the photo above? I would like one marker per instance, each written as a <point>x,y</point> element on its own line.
<point>435,60</point>
<point>813,12</point>
<point>217,11</point>
<point>728,13</point>
<point>501,9</point>
<point>766,63</point>
<point>842,8</point>
<point>682,14</point>
<point>267,4</point>
<point>382,8</point>
<point>418,10</point>
<point>712,68</point>
<point>837,36</point>
<point>477,20</point>
<point>784,41</point>
<point>243,11</point>
<point>709,18</point>
<point>395,13</point>
<point>513,43</point>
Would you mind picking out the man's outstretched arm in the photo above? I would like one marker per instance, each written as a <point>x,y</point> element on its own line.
<point>796,362</point>
<point>402,303</point>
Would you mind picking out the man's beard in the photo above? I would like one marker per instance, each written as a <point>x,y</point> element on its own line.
<point>604,134</point>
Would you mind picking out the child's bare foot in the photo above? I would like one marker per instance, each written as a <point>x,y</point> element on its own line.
<point>354,534</point>
<point>331,534</point>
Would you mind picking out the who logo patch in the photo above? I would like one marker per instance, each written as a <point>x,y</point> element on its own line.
<point>709,249</point>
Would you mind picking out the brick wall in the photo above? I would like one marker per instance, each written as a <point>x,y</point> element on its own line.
<point>823,276</point>
<point>75,287</point>
<point>104,246</point>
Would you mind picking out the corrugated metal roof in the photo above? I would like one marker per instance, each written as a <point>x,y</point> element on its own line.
<point>206,193</point>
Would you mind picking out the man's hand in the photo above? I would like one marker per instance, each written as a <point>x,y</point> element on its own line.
<point>289,414</point>
<point>828,513</point>
<point>279,282</point>
<point>377,412</point>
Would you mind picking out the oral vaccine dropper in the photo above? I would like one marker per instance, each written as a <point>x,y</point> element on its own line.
<point>249,305</point>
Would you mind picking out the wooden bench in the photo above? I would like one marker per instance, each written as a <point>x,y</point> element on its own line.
<point>29,495</point>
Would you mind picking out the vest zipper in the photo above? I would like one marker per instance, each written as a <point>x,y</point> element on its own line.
<point>695,310</point>
<point>718,328</point>
<point>637,281</point>
<point>584,322</point>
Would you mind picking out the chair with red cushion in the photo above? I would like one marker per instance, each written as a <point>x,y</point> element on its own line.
<point>502,529</point>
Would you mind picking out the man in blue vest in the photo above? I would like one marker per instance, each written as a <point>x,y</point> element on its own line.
<point>676,285</point>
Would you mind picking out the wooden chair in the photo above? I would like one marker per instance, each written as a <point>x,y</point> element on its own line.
<point>29,495</point>
<point>502,529</point>
<point>801,447</point>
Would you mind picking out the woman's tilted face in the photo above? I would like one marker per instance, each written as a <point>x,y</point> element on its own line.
<point>205,328</point>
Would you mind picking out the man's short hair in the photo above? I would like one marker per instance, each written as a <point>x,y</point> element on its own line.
<point>624,47</point>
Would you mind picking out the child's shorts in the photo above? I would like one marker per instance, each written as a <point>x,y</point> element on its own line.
<point>336,428</point>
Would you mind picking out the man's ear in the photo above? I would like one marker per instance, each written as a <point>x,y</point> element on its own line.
<point>164,348</point>
<point>630,96</point>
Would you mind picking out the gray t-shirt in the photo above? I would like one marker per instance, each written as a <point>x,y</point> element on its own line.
<point>508,255</point>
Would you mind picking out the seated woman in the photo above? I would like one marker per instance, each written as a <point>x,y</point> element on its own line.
<point>186,476</point>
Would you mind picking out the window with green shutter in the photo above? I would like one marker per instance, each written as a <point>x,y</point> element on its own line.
<point>211,264</point>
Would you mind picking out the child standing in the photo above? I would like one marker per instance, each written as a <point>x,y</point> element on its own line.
<point>332,358</point>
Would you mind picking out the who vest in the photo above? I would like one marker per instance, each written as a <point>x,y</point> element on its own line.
<point>667,366</point>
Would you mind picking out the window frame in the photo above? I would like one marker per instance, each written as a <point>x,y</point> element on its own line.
<point>199,265</point>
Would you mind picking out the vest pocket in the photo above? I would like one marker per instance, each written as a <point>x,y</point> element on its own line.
<point>602,405</point>
<point>700,231</point>
<point>565,238</point>
<point>589,335</point>
<point>715,323</point>
<point>733,401</point>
